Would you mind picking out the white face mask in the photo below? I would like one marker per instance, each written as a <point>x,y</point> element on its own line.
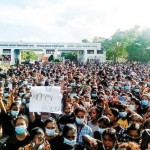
<point>79,121</point>
<point>87,104</point>
<point>25,82</point>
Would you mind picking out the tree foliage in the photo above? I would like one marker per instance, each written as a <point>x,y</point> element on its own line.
<point>131,45</point>
<point>51,58</point>
<point>69,55</point>
<point>85,41</point>
<point>31,55</point>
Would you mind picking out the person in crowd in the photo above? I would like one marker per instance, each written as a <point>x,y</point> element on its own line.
<point>113,115</point>
<point>21,136</point>
<point>109,140</point>
<point>94,115</point>
<point>103,123</point>
<point>7,119</point>
<point>82,127</point>
<point>51,129</point>
<point>96,96</point>
<point>144,101</point>
<point>66,141</point>
<point>37,120</point>
<point>67,117</point>
<point>37,141</point>
<point>129,146</point>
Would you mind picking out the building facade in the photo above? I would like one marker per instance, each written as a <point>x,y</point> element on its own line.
<point>11,51</point>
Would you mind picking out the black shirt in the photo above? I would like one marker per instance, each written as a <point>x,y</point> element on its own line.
<point>67,119</point>
<point>14,144</point>
<point>36,123</point>
<point>7,123</point>
<point>57,144</point>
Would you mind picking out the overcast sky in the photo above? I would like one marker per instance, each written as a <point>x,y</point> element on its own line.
<point>69,20</point>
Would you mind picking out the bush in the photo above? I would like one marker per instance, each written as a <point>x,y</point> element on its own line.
<point>56,60</point>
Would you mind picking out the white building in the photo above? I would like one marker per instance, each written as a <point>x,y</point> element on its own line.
<point>86,51</point>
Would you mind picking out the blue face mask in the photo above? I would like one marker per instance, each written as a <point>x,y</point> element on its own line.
<point>110,77</point>
<point>60,79</point>
<point>73,95</point>
<point>24,101</point>
<point>71,143</point>
<point>80,92</point>
<point>14,113</point>
<point>27,105</point>
<point>144,102</point>
<point>6,95</point>
<point>137,90</point>
<point>116,87</point>
<point>132,107</point>
<point>101,130</point>
<point>123,114</point>
<point>72,84</point>
<point>20,94</point>
<point>20,129</point>
<point>79,121</point>
<point>110,87</point>
<point>50,132</point>
<point>127,87</point>
<point>93,95</point>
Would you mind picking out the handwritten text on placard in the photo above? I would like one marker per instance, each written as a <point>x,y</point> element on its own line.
<point>45,99</point>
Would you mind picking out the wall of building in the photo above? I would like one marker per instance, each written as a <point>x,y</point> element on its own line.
<point>86,51</point>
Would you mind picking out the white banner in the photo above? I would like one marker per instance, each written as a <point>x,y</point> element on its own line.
<point>45,99</point>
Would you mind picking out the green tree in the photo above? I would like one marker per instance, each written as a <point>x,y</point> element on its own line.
<point>98,39</point>
<point>32,55</point>
<point>85,41</point>
<point>139,49</point>
<point>29,55</point>
<point>24,55</point>
<point>51,58</point>
<point>69,55</point>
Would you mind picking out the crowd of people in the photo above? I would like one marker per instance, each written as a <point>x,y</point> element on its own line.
<point>104,107</point>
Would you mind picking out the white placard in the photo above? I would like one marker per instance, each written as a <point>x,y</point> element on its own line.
<point>10,86</point>
<point>46,99</point>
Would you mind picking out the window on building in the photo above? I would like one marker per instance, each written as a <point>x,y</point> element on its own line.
<point>50,51</point>
<point>4,45</point>
<point>99,51</point>
<point>90,51</point>
<point>40,45</point>
<point>6,51</point>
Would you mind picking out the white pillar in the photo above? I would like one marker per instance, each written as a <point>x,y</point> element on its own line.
<point>19,56</point>
<point>44,51</point>
<point>85,55</point>
<point>55,53</point>
<point>12,62</point>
